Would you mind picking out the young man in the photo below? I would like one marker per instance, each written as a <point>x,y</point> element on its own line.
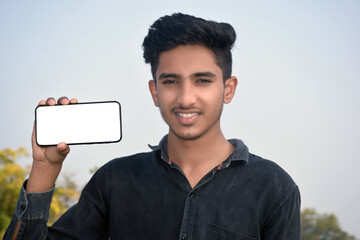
<point>195,184</point>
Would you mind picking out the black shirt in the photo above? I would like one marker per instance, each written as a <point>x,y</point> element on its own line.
<point>146,196</point>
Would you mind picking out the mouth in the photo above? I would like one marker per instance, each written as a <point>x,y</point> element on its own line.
<point>187,115</point>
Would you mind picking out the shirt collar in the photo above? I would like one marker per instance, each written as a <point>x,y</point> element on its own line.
<point>161,147</point>
<point>241,152</point>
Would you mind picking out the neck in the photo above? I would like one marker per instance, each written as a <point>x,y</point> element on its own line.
<point>182,150</point>
<point>199,156</point>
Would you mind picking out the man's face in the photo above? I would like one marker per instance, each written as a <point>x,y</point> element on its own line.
<point>190,91</point>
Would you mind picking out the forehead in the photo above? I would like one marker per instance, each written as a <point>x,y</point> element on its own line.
<point>187,60</point>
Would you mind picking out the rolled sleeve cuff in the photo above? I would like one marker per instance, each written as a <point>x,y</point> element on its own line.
<point>33,206</point>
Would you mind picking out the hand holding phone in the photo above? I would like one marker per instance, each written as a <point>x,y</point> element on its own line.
<point>47,161</point>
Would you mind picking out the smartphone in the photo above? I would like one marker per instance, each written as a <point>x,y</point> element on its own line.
<point>80,123</point>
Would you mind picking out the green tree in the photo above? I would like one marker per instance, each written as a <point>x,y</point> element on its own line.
<point>317,226</point>
<point>12,175</point>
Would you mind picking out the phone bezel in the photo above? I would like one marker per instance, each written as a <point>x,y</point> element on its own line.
<point>80,143</point>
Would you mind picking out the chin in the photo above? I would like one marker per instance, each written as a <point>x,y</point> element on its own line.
<point>187,136</point>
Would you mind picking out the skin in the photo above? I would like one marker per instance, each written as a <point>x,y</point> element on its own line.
<point>190,92</point>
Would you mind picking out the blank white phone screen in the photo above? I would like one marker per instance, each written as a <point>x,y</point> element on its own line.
<point>82,123</point>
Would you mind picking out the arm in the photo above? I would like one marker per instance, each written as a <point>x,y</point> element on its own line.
<point>47,163</point>
<point>30,216</point>
<point>284,223</point>
<point>88,219</point>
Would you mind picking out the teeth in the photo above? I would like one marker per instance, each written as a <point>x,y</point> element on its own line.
<point>187,115</point>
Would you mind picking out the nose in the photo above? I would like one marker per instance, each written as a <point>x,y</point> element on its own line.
<point>186,95</point>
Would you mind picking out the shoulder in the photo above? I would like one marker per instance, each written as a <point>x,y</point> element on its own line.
<point>138,161</point>
<point>268,168</point>
<point>277,186</point>
<point>127,171</point>
<point>271,176</point>
<point>137,167</point>
<point>260,172</point>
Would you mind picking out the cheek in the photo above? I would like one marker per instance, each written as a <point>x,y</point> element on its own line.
<point>168,93</point>
<point>213,98</point>
<point>165,98</point>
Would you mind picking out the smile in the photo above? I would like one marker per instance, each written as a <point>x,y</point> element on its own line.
<point>187,115</point>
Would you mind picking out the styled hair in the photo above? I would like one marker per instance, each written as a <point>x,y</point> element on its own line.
<point>169,32</point>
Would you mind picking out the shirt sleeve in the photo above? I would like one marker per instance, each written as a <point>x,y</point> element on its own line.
<point>33,210</point>
<point>285,222</point>
<point>87,219</point>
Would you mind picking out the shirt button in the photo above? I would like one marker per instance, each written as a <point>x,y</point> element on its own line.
<point>191,195</point>
<point>183,237</point>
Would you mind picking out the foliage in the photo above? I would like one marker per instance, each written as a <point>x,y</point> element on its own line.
<point>93,170</point>
<point>12,176</point>
<point>317,226</point>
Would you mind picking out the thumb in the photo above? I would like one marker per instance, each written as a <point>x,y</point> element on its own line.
<point>62,149</point>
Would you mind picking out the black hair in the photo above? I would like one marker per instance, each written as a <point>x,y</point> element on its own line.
<point>169,32</point>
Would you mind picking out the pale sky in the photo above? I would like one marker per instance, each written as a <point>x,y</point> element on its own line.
<point>297,101</point>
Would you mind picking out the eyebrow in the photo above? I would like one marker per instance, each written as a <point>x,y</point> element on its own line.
<point>204,74</point>
<point>199,74</point>
<point>168,75</point>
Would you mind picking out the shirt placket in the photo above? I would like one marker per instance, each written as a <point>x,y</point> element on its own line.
<point>188,221</point>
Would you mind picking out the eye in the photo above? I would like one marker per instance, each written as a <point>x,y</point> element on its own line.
<point>203,80</point>
<point>169,81</point>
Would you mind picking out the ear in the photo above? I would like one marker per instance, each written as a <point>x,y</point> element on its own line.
<point>153,91</point>
<point>230,88</point>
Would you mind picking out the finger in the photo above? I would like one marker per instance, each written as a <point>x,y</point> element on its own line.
<point>42,102</point>
<point>34,144</point>
<point>63,149</point>
<point>33,137</point>
<point>33,141</point>
<point>51,101</point>
<point>63,100</point>
<point>73,100</point>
